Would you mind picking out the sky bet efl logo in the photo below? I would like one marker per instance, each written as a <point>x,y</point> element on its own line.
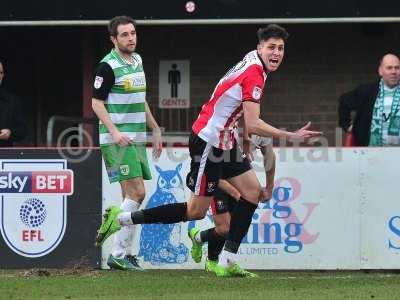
<point>33,207</point>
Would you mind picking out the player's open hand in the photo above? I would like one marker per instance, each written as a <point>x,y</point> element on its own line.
<point>247,147</point>
<point>157,143</point>
<point>304,134</point>
<point>121,139</point>
<point>265,194</point>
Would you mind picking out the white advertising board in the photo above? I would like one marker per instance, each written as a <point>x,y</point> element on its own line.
<point>332,208</point>
<point>380,208</point>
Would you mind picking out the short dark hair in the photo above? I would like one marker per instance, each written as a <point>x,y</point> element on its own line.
<point>272,31</point>
<point>116,21</point>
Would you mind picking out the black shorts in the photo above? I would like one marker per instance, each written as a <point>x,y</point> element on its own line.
<point>209,164</point>
<point>222,202</point>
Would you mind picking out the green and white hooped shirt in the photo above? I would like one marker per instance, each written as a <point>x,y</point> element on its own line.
<point>125,102</point>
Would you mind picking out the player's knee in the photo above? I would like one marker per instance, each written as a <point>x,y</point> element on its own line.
<point>198,215</point>
<point>252,194</point>
<point>140,195</point>
<point>195,213</point>
<point>136,195</point>
<point>222,229</point>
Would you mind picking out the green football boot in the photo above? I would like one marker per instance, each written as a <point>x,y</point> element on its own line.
<point>134,261</point>
<point>210,265</point>
<point>197,248</point>
<point>233,271</point>
<point>120,263</point>
<point>109,226</point>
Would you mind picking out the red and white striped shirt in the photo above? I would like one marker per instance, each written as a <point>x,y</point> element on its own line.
<point>244,82</point>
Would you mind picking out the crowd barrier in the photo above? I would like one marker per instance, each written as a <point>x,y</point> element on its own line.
<point>332,208</point>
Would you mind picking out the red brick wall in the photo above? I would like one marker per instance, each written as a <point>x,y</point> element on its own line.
<point>321,62</point>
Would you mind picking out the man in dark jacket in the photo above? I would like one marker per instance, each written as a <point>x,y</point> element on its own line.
<point>12,124</point>
<point>377,118</point>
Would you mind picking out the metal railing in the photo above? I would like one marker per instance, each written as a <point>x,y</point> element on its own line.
<point>175,123</point>
<point>75,131</point>
<point>176,120</point>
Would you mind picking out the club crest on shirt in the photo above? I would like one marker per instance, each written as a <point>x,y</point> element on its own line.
<point>98,81</point>
<point>191,181</point>
<point>210,187</point>
<point>124,169</point>
<point>256,93</point>
<point>220,204</point>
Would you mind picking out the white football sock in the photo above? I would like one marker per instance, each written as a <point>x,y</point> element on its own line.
<point>226,258</point>
<point>125,219</point>
<point>131,206</point>
<point>124,237</point>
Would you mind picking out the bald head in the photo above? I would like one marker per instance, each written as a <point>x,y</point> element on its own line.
<point>389,70</point>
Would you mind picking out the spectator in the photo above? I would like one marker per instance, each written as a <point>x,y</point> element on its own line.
<point>376,106</point>
<point>12,124</point>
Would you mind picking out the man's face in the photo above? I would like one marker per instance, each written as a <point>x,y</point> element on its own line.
<point>1,73</point>
<point>271,52</point>
<point>389,70</point>
<point>125,41</point>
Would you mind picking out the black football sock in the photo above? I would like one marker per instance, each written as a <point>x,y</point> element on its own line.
<point>240,223</point>
<point>204,235</point>
<point>215,244</point>
<point>165,214</point>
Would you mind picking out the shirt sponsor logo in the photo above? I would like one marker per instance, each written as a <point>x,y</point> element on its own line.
<point>128,85</point>
<point>140,81</point>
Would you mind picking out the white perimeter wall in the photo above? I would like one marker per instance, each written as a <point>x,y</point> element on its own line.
<point>333,208</point>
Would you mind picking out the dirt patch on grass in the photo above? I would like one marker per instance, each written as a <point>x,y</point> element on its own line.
<point>80,271</point>
<point>79,267</point>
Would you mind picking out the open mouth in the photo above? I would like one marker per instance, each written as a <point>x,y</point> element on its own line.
<point>273,61</point>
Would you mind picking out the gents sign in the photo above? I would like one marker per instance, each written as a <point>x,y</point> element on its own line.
<point>174,84</point>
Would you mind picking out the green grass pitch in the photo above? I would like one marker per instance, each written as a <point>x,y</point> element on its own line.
<point>178,284</point>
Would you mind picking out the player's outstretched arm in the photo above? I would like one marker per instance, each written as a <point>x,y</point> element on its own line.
<point>254,125</point>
